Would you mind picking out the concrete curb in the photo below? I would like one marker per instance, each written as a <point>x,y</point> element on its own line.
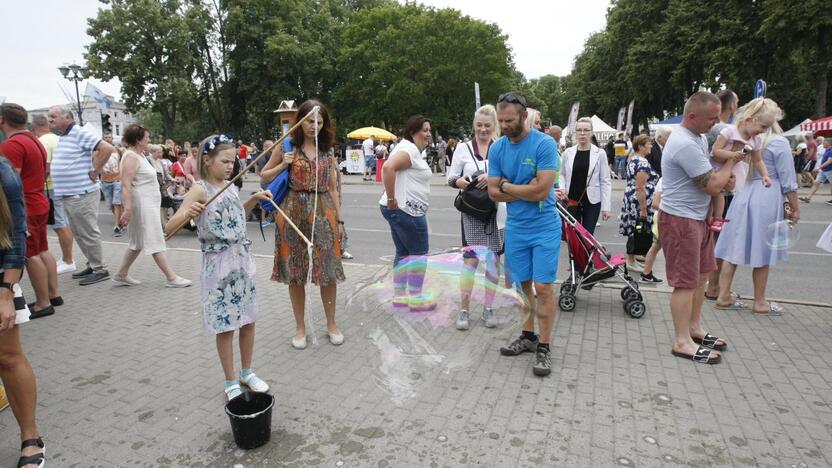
<point>668,290</point>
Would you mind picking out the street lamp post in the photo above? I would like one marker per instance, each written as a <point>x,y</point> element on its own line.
<point>78,75</point>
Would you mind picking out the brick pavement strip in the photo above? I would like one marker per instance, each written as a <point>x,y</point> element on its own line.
<point>127,377</point>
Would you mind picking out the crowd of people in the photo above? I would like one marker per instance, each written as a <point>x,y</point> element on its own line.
<point>706,190</point>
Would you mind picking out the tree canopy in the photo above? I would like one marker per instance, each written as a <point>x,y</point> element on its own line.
<point>203,66</point>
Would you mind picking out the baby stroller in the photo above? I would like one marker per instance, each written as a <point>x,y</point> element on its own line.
<point>589,264</point>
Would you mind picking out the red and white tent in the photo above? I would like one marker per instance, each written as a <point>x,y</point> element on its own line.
<point>822,127</point>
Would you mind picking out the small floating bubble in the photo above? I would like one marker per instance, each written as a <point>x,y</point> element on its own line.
<point>442,438</point>
<point>624,461</point>
<point>339,463</point>
<point>649,440</point>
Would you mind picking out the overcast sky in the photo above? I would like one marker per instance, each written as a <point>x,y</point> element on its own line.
<point>545,36</point>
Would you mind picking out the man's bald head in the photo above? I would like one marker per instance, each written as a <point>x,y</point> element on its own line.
<point>701,112</point>
<point>555,132</point>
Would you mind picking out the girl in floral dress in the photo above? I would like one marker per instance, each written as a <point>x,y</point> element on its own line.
<point>228,294</point>
<point>312,179</point>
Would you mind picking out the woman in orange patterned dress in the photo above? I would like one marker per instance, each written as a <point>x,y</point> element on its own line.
<point>312,176</point>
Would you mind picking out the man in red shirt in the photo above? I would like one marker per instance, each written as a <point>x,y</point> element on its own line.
<point>28,157</point>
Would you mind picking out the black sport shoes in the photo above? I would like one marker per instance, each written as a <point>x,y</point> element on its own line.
<point>649,278</point>
<point>519,346</point>
<point>542,362</point>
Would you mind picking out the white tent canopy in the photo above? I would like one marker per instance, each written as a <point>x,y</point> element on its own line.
<point>794,131</point>
<point>599,125</point>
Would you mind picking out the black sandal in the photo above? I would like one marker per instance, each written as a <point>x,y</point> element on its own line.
<point>709,341</point>
<point>702,355</point>
<point>38,459</point>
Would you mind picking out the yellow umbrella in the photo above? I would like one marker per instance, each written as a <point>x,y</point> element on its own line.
<point>375,132</point>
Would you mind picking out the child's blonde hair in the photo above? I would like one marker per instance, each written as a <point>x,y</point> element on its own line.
<point>211,147</point>
<point>763,110</point>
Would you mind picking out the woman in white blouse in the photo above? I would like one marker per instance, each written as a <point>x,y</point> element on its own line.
<point>470,166</point>
<point>585,185</point>
<point>404,204</point>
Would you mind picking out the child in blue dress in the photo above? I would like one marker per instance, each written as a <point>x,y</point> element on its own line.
<point>228,293</point>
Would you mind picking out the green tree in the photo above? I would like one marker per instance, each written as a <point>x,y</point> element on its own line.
<point>395,61</point>
<point>806,28</point>
<point>144,43</point>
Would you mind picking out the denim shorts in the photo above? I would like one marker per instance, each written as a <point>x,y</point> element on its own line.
<point>369,161</point>
<point>112,193</point>
<point>60,215</point>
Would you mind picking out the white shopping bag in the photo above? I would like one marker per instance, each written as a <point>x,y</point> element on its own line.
<point>825,241</point>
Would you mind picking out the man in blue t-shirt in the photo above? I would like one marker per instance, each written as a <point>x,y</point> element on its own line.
<point>521,172</point>
<point>824,174</point>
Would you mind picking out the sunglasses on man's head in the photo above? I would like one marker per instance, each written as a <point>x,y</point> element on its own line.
<point>512,98</point>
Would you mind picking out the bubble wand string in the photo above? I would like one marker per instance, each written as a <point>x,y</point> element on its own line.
<point>244,171</point>
<point>309,245</point>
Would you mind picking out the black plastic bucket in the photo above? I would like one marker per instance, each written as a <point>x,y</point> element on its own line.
<point>251,418</point>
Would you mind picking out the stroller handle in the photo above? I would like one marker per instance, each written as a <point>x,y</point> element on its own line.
<point>565,214</point>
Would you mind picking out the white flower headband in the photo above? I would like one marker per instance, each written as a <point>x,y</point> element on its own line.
<point>216,141</point>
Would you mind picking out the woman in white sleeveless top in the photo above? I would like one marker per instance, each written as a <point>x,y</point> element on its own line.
<point>141,199</point>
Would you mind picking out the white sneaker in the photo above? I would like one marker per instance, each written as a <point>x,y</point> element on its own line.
<point>462,320</point>
<point>488,317</point>
<point>125,280</point>
<point>635,266</point>
<point>66,267</point>
<point>233,392</point>
<point>255,383</point>
<point>178,282</point>
<point>347,256</point>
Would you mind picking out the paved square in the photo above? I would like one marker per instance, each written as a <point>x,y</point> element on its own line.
<point>127,377</point>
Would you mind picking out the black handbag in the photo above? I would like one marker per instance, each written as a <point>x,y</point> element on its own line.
<point>639,242</point>
<point>473,200</point>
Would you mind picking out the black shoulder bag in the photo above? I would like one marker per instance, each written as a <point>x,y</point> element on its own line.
<point>473,200</point>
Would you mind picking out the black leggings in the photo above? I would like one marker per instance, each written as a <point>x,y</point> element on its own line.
<point>587,214</point>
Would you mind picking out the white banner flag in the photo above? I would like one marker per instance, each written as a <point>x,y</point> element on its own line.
<point>630,116</point>
<point>573,117</point>
<point>621,114</point>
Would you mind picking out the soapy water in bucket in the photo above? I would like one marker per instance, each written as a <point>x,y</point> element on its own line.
<point>414,328</point>
<point>782,235</point>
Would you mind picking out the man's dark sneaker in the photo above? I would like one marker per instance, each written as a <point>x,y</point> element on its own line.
<point>82,274</point>
<point>542,363</point>
<point>41,313</point>
<point>519,346</point>
<point>95,277</point>
<point>649,278</point>
<point>118,231</point>
<point>829,202</point>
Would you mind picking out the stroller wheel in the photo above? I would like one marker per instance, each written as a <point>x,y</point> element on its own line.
<point>567,289</point>
<point>635,308</point>
<point>567,302</point>
<point>627,294</point>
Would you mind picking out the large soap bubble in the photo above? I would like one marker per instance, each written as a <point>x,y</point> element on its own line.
<point>413,309</point>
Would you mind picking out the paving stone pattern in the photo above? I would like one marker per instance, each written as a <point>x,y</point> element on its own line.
<point>127,377</point>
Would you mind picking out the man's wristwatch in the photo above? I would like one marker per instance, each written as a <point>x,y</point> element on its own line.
<point>500,186</point>
<point>9,286</point>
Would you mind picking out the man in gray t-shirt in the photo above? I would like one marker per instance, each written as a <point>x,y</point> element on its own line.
<point>685,157</point>
<point>688,182</point>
